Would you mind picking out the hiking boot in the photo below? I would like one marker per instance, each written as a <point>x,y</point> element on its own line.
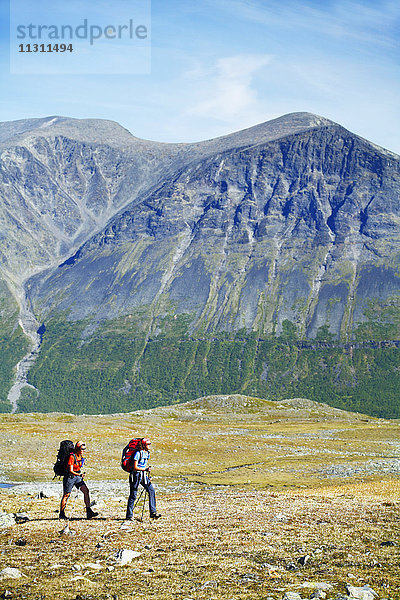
<point>155,515</point>
<point>62,515</point>
<point>90,514</point>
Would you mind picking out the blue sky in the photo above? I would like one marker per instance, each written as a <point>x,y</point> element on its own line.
<point>222,65</point>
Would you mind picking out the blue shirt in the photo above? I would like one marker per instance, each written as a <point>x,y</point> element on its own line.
<point>142,458</point>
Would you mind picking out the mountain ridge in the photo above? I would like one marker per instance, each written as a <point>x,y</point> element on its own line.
<point>56,232</point>
<point>288,124</point>
<point>55,124</point>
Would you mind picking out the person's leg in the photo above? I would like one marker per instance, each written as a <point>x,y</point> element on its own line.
<point>86,497</point>
<point>152,496</point>
<point>63,505</point>
<point>67,488</point>
<point>85,491</point>
<point>134,480</point>
<point>152,499</point>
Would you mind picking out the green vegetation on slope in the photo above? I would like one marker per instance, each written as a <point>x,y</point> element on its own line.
<point>116,370</point>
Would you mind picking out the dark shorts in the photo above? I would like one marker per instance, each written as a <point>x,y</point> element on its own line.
<point>70,481</point>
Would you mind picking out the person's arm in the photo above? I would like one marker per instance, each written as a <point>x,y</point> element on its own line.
<point>71,465</point>
<point>137,468</point>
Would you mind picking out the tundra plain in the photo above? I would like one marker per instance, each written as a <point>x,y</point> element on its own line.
<point>258,499</point>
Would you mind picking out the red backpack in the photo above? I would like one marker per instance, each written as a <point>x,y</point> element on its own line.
<point>128,453</point>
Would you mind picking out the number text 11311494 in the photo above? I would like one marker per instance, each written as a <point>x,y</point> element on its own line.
<point>45,48</point>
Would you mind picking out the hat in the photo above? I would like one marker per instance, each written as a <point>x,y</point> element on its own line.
<point>81,445</point>
<point>146,442</point>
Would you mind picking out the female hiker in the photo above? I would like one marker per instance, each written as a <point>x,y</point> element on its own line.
<point>74,477</point>
<point>140,475</point>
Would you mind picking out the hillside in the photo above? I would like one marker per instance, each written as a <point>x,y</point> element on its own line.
<point>300,230</point>
<point>264,262</point>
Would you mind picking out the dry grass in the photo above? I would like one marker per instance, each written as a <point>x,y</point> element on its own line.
<point>213,544</point>
<point>222,440</point>
<point>297,479</point>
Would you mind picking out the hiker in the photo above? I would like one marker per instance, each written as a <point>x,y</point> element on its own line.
<point>74,477</point>
<point>139,474</point>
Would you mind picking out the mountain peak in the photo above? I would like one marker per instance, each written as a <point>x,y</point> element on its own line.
<point>245,263</point>
<point>84,130</point>
<point>289,124</point>
<point>296,122</point>
<point>11,129</point>
<point>111,132</point>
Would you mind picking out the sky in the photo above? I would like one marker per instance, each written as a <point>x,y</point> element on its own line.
<point>217,66</point>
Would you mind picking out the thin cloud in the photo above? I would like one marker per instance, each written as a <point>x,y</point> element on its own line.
<point>376,24</point>
<point>228,92</point>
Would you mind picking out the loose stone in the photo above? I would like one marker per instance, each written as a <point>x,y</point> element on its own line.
<point>10,573</point>
<point>361,593</point>
<point>123,556</point>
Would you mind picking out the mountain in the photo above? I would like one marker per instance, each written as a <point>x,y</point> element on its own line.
<point>296,227</point>
<point>62,179</point>
<point>161,272</point>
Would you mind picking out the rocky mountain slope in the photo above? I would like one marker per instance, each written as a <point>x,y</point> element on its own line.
<point>302,228</point>
<point>287,230</point>
<point>62,179</point>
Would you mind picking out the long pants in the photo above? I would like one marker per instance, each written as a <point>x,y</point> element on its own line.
<point>136,478</point>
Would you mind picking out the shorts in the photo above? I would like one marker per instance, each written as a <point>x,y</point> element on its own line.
<point>70,481</point>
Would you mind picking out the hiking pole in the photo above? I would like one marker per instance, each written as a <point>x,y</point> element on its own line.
<point>138,499</point>
<point>73,506</point>
<point>144,502</point>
